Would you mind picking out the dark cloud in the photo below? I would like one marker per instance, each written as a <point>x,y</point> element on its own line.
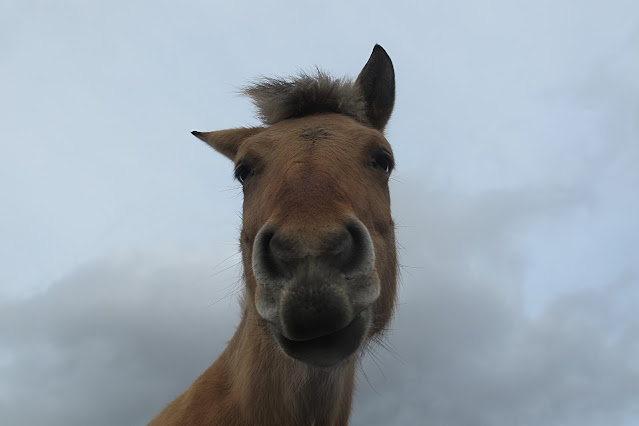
<point>464,350</point>
<point>478,362</point>
<point>114,341</point>
<point>120,337</point>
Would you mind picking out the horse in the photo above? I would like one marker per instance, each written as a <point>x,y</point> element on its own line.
<point>318,251</point>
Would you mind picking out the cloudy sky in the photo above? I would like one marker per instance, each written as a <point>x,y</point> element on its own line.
<point>516,133</point>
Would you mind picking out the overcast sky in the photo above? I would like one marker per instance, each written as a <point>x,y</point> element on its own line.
<point>516,134</point>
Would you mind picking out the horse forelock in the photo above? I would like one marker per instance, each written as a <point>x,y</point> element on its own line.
<point>279,99</point>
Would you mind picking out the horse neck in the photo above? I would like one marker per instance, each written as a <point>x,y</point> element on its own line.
<point>268,387</point>
<point>254,383</point>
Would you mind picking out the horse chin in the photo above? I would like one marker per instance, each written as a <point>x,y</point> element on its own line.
<point>331,349</point>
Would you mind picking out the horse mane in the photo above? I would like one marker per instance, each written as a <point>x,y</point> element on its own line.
<point>306,94</point>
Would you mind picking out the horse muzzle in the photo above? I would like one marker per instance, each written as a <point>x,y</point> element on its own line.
<point>316,292</point>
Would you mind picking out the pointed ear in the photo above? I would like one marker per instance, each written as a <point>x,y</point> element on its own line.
<point>376,83</point>
<point>227,142</point>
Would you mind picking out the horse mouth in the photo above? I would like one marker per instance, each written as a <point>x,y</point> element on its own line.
<point>329,349</point>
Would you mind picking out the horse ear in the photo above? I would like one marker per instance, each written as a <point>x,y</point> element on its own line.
<point>376,83</point>
<point>227,142</point>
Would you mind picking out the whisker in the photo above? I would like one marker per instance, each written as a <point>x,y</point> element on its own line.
<point>368,381</point>
<point>225,269</point>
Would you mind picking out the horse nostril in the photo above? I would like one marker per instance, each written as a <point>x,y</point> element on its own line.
<point>350,250</point>
<point>360,256</point>
<point>265,266</point>
<point>284,250</point>
<point>342,243</point>
<point>274,255</point>
<point>340,248</point>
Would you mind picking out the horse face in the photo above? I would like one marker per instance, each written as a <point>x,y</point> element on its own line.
<point>317,238</point>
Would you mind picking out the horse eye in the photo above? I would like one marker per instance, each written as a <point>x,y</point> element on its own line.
<point>243,172</point>
<point>383,161</point>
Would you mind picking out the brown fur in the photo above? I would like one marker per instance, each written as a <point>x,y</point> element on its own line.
<point>311,171</point>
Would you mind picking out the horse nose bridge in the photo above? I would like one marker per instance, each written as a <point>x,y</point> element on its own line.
<point>311,193</point>
<point>292,242</point>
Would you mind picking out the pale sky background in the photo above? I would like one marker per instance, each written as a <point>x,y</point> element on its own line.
<point>516,194</point>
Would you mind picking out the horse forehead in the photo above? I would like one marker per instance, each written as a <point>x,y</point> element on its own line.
<point>324,140</point>
<point>319,131</point>
<point>314,133</point>
<point>320,127</point>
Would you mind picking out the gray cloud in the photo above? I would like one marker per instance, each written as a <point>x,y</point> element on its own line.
<point>114,341</point>
<point>464,350</point>
<point>117,339</point>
